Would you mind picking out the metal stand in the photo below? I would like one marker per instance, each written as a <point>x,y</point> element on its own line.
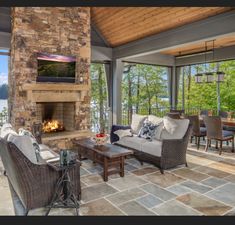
<point>64,196</point>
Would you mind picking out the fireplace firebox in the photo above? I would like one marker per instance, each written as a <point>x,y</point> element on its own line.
<point>56,116</point>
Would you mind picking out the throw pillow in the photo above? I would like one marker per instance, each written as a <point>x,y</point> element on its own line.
<point>158,131</point>
<point>34,142</point>
<point>123,133</point>
<point>6,130</point>
<point>169,124</point>
<point>148,130</point>
<point>154,119</point>
<point>182,127</point>
<point>137,122</point>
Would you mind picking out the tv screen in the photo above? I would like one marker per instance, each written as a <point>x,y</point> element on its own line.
<point>56,68</point>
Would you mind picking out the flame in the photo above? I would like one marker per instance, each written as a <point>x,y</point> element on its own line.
<point>52,126</point>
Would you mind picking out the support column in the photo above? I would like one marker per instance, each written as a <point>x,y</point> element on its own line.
<point>175,85</point>
<point>117,69</point>
<point>109,80</point>
<point>169,79</point>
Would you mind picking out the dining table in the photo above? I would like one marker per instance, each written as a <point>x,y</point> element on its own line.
<point>225,121</point>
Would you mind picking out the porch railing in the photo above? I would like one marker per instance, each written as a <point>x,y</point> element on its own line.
<point>160,112</point>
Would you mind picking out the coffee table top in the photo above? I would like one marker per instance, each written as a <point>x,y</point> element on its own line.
<point>108,150</point>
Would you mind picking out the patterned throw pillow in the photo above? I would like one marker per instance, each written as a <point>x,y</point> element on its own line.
<point>148,130</point>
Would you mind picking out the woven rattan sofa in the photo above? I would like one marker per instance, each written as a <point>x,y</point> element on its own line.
<point>165,153</point>
<point>32,185</point>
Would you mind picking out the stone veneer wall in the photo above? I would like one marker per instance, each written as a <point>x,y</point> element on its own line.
<point>55,30</point>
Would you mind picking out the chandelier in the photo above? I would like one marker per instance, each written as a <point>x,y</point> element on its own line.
<point>209,76</point>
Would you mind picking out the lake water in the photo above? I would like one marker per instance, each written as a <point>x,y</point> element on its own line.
<point>3,103</point>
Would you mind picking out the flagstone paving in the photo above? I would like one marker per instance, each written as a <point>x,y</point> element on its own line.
<point>205,187</point>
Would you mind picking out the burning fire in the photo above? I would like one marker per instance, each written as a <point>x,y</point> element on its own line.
<point>52,126</point>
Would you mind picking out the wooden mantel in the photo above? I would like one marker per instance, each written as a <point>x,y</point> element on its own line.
<point>54,87</point>
<point>51,92</point>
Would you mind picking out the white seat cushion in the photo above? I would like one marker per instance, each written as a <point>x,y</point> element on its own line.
<point>153,148</point>
<point>47,155</point>
<point>137,122</point>
<point>43,147</point>
<point>179,132</point>
<point>154,119</point>
<point>132,142</point>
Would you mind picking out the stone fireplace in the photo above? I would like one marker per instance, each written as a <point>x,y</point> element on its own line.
<point>53,30</point>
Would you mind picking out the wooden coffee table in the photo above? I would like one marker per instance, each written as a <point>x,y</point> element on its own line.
<point>110,157</point>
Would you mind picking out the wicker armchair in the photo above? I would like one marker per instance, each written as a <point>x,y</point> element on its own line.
<point>32,185</point>
<point>197,131</point>
<point>215,131</point>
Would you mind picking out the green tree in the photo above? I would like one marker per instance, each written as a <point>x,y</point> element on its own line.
<point>99,103</point>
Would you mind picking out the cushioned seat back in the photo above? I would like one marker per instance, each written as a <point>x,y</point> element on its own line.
<point>24,144</point>
<point>179,132</point>
<point>11,167</point>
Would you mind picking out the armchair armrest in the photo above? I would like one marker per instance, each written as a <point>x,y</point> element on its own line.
<point>113,136</point>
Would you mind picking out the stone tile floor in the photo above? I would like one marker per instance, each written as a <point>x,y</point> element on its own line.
<point>206,187</point>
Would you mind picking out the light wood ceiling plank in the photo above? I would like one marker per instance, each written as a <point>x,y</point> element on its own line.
<point>150,29</point>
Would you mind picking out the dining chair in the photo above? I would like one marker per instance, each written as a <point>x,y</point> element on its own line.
<point>180,111</point>
<point>216,132</point>
<point>197,131</point>
<point>223,114</point>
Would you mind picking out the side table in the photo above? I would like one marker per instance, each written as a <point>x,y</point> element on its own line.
<point>64,196</point>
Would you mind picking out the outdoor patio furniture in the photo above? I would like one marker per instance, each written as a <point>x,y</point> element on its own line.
<point>180,111</point>
<point>167,152</point>
<point>174,115</point>
<point>108,156</point>
<point>215,131</point>
<point>32,185</point>
<point>197,131</point>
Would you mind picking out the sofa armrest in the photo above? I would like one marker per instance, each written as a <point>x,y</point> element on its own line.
<point>114,137</point>
<point>174,150</point>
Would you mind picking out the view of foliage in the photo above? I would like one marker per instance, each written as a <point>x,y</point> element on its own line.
<point>204,95</point>
<point>4,91</point>
<point>56,69</point>
<point>99,95</point>
<point>144,90</point>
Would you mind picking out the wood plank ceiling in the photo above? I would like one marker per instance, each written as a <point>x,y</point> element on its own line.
<point>121,25</point>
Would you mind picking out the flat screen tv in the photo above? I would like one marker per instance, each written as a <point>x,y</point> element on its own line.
<point>56,68</point>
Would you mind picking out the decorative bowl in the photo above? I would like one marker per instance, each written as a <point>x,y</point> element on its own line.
<point>100,139</point>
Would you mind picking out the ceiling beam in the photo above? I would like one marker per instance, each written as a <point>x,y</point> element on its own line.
<point>154,59</point>
<point>202,30</point>
<point>6,11</point>
<point>220,54</point>
<point>95,28</point>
